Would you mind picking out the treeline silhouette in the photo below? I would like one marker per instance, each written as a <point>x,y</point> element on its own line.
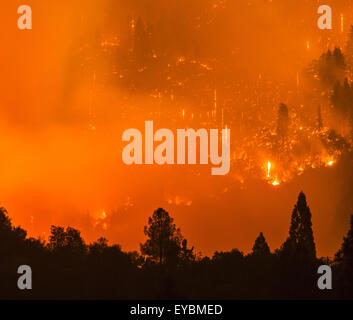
<point>167,268</point>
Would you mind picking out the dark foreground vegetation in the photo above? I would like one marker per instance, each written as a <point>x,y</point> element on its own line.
<point>167,268</point>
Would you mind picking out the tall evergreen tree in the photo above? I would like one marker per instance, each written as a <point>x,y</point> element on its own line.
<point>300,242</point>
<point>261,247</point>
<point>345,257</point>
<point>331,67</point>
<point>165,243</point>
<point>347,248</point>
<point>141,43</point>
<point>283,120</point>
<point>342,101</point>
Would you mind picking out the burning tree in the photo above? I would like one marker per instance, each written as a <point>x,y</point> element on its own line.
<point>283,120</point>
<point>342,99</point>
<point>332,66</point>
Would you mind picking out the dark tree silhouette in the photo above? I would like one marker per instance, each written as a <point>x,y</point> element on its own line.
<point>331,67</point>
<point>342,101</point>
<point>103,271</point>
<point>57,238</point>
<point>301,239</point>
<point>69,240</point>
<point>261,247</point>
<point>283,120</point>
<point>349,52</point>
<point>165,242</point>
<point>345,258</point>
<point>298,263</point>
<point>98,247</point>
<point>141,43</point>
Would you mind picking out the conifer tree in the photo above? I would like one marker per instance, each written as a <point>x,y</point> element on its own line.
<point>347,248</point>
<point>344,259</point>
<point>300,242</point>
<point>165,243</point>
<point>141,43</point>
<point>261,247</point>
<point>331,67</point>
<point>283,120</point>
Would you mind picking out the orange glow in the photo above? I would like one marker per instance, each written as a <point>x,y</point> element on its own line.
<point>268,169</point>
<point>275,183</point>
<point>83,75</point>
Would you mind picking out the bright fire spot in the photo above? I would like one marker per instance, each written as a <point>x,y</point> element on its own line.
<point>99,219</point>
<point>178,200</point>
<point>275,183</point>
<point>330,163</point>
<point>181,59</point>
<point>268,169</point>
<point>308,44</point>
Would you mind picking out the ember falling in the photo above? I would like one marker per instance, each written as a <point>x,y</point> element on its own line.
<point>84,74</point>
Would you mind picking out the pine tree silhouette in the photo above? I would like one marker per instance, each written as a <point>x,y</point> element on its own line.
<point>331,67</point>
<point>261,247</point>
<point>345,258</point>
<point>301,239</point>
<point>164,241</point>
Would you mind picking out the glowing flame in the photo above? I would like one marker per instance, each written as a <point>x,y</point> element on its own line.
<point>268,169</point>
<point>275,183</point>
<point>178,201</point>
<point>181,59</point>
<point>308,44</point>
<point>330,163</point>
<point>99,219</point>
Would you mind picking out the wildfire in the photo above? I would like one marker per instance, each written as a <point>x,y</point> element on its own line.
<point>268,169</point>
<point>178,200</point>
<point>275,183</point>
<point>99,219</point>
<point>330,163</point>
<point>181,59</point>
